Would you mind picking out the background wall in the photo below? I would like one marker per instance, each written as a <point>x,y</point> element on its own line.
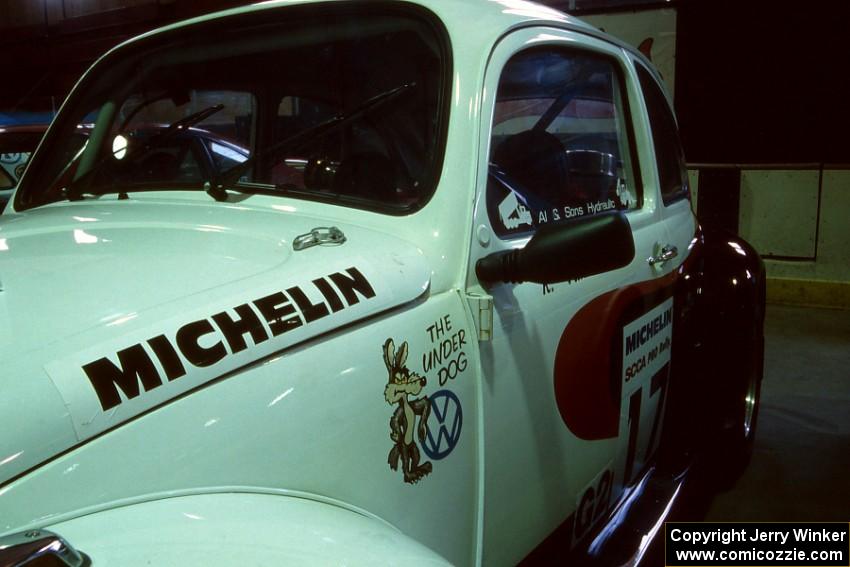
<point>761,97</point>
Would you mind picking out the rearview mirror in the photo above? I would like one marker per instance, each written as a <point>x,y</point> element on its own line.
<point>564,251</point>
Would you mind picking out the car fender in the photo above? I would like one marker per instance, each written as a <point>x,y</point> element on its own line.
<point>720,299</point>
<point>240,528</point>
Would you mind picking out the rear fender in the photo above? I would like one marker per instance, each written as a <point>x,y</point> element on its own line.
<point>720,297</point>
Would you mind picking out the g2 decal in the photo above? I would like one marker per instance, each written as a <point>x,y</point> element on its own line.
<point>444,425</point>
<point>593,503</point>
<point>401,386</point>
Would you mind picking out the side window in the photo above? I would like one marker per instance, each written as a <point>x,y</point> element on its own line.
<point>672,172</point>
<point>559,148</point>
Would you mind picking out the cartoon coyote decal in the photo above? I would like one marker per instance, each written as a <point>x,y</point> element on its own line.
<point>403,383</point>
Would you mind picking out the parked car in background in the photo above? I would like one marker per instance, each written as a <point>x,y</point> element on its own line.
<point>188,152</point>
<point>17,143</point>
<point>388,283</point>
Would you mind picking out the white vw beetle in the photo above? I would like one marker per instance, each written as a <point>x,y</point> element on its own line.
<point>452,304</point>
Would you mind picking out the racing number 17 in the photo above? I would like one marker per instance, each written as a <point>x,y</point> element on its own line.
<point>658,382</point>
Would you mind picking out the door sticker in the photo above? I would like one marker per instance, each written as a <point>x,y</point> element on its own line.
<point>512,213</point>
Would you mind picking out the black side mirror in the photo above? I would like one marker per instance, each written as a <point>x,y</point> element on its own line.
<point>564,251</point>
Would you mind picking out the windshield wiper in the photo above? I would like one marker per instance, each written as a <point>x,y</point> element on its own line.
<point>75,190</point>
<point>218,189</point>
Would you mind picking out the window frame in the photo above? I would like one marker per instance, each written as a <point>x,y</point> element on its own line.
<point>684,191</point>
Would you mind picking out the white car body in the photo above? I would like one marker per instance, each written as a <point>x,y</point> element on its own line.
<point>275,449</point>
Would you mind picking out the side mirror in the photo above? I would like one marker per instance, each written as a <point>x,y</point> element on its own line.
<point>564,251</point>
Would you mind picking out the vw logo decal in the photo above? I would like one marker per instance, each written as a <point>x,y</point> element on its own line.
<point>444,425</point>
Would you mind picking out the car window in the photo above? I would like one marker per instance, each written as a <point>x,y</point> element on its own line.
<point>560,146</point>
<point>344,104</point>
<point>670,158</point>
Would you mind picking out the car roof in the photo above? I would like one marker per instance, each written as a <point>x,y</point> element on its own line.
<point>474,24</point>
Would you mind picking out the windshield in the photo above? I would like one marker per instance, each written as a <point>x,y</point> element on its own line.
<point>335,103</point>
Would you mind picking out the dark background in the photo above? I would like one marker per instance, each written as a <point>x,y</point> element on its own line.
<point>757,81</point>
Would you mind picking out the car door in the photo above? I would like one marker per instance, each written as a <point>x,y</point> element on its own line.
<point>570,393</point>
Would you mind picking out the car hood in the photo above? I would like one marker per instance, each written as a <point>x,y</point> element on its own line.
<point>100,303</point>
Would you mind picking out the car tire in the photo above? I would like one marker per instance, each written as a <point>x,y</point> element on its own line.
<point>734,444</point>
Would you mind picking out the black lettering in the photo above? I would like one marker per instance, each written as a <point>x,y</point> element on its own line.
<point>168,358</point>
<point>235,331</point>
<point>461,361</point>
<point>279,313</point>
<point>134,365</point>
<point>330,295</point>
<point>311,311</point>
<point>187,342</point>
<point>632,342</point>
<point>355,281</point>
<point>434,357</point>
<point>427,362</point>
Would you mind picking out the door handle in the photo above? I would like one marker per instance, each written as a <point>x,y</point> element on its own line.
<point>664,254</point>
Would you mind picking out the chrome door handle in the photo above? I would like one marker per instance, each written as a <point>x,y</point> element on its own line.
<point>665,254</point>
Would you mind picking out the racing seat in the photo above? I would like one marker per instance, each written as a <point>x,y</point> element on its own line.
<point>537,161</point>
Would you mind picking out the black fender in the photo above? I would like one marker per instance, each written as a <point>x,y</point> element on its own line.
<point>718,341</point>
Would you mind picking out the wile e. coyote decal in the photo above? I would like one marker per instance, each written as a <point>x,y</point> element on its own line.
<point>401,385</point>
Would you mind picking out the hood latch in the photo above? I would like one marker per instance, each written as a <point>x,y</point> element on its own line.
<point>319,236</point>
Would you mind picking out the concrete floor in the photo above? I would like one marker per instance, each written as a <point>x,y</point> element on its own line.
<point>800,470</point>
